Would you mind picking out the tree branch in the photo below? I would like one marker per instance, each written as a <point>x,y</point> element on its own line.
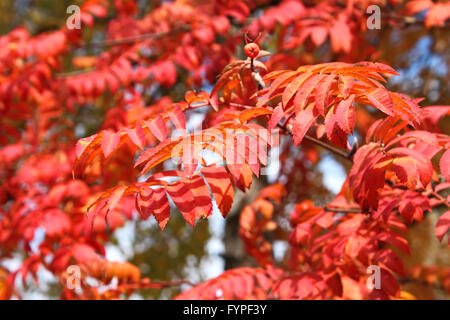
<point>121,41</point>
<point>344,210</point>
<point>129,40</point>
<point>74,73</point>
<point>340,152</point>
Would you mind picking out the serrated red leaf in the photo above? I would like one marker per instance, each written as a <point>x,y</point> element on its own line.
<point>182,196</point>
<point>332,128</point>
<point>137,135</point>
<point>293,86</point>
<point>161,207</point>
<point>110,141</point>
<point>158,154</point>
<point>345,113</point>
<point>241,175</point>
<point>157,127</point>
<point>303,121</point>
<point>345,85</point>
<point>144,202</point>
<point>277,115</point>
<point>221,187</point>
<point>322,94</point>
<point>381,99</point>
<point>202,198</point>
<point>281,80</point>
<point>249,114</point>
<point>305,90</point>
<point>178,119</point>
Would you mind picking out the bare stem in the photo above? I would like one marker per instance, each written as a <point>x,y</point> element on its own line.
<point>129,40</point>
<point>343,210</point>
<point>340,152</point>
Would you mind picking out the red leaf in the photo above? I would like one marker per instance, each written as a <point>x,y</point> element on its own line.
<point>241,174</point>
<point>341,35</point>
<point>144,202</point>
<point>391,260</point>
<point>381,99</point>
<point>277,115</point>
<point>115,196</point>
<point>110,141</point>
<point>158,128</point>
<point>293,86</point>
<point>378,294</point>
<point>56,223</point>
<point>158,154</point>
<point>184,200</point>
<point>332,128</point>
<point>322,94</point>
<point>84,253</point>
<point>249,114</point>
<point>345,84</point>
<point>221,187</point>
<point>388,283</point>
<point>442,225</point>
<point>177,118</point>
<point>305,90</point>
<point>303,122</point>
<point>82,144</point>
<point>444,165</point>
<point>137,136</point>
<point>395,240</point>
<point>202,198</point>
<point>111,80</point>
<point>280,81</point>
<point>96,10</point>
<point>165,73</point>
<point>351,225</point>
<point>351,289</point>
<point>345,113</point>
<point>161,207</point>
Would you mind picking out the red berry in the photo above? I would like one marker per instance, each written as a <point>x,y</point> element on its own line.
<point>251,50</point>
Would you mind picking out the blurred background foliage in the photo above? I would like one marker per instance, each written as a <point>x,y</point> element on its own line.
<point>422,56</point>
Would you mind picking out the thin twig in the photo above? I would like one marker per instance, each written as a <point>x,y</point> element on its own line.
<point>343,210</point>
<point>129,40</point>
<point>340,152</point>
<point>74,73</point>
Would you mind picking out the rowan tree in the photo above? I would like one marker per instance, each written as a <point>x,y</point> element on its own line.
<point>168,111</point>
